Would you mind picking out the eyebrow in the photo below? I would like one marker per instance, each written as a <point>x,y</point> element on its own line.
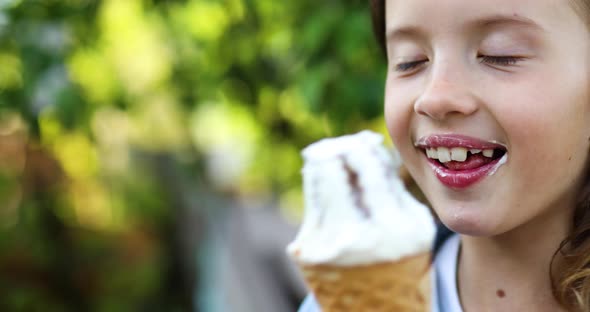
<point>485,22</point>
<point>500,19</point>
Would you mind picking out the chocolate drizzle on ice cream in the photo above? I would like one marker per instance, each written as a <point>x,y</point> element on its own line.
<point>357,210</point>
<point>356,189</point>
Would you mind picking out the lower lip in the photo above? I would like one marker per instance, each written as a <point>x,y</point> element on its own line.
<point>464,178</point>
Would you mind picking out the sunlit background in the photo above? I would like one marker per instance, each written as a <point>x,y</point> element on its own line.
<point>149,150</point>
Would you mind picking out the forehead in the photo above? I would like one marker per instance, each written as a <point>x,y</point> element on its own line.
<point>442,14</point>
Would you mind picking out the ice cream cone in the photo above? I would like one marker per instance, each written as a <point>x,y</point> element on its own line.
<point>402,286</point>
<point>365,241</point>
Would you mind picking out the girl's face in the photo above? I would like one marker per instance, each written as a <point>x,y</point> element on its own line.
<point>504,75</point>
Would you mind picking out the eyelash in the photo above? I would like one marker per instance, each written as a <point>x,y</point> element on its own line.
<point>499,60</point>
<point>489,59</point>
<point>407,66</point>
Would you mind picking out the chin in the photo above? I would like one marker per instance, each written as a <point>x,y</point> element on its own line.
<point>465,223</point>
<point>466,229</point>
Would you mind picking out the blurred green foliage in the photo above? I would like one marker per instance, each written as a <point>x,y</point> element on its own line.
<point>93,93</point>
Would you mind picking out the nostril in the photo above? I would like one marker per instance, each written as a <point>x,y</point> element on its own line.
<point>441,102</point>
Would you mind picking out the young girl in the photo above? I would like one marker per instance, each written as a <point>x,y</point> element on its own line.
<point>488,102</point>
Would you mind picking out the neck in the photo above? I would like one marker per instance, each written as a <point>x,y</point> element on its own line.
<point>510,272</point>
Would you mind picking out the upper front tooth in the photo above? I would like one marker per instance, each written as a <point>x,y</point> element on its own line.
<point>444,155</point>
<point>458,153</point>
<point>488,152</point>
<point>431,153</point>
<point>475,151</point>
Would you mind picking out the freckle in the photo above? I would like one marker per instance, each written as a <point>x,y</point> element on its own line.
<point>570,158</point>
<point>500,293</point>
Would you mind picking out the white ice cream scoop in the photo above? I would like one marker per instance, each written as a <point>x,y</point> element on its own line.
<point>357,210</point>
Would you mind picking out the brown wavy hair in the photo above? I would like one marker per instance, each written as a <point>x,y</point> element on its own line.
<point>571,277</point>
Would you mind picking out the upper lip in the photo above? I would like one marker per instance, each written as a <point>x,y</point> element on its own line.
<point>457,140</point>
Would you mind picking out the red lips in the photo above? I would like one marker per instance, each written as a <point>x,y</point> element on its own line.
<point>461,175</point>
<point>457,140</point>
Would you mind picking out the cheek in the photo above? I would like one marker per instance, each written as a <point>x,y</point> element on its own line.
<point>398,111</point>
<point>548,132</point>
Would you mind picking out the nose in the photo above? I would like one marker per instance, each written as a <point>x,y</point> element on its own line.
<point>445,95</point>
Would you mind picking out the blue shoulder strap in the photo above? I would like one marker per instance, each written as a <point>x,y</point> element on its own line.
<point>442,233</point>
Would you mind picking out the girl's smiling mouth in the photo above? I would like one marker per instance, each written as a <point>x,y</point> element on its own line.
<point>459,161</point>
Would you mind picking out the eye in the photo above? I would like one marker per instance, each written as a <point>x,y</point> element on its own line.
<point>408,66</point>
<point>500,60</point>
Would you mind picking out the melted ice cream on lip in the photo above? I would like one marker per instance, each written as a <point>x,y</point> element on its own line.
<point>460,153</point>
<point>357,211</point>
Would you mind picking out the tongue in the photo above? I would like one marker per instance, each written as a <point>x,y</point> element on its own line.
<point>472,162</point>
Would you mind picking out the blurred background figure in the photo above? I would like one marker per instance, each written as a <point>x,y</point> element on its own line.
<point>149,149</point>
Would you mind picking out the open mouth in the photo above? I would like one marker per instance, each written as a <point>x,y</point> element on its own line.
<point>459,161</point>
<point>461,158</point>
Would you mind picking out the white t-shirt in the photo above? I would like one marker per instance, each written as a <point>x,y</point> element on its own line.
<point>445,297</point>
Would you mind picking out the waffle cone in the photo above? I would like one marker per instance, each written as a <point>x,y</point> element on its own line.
<point>402,286</point>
